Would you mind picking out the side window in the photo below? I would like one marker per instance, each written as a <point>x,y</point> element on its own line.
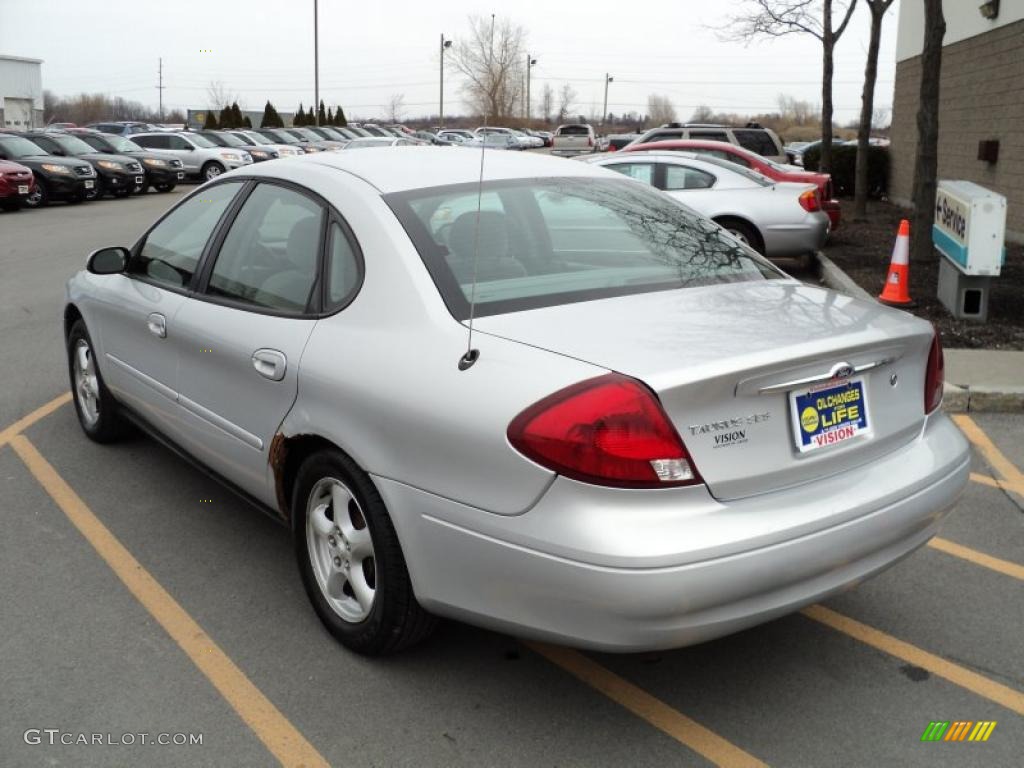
<point>342,268</point>
<point>639,171</point>
<point>173,247</point>
<point>729,157</point>
<point>684,177</point>
<point>665,136</point>
<point>269,257</point>
<point>155,142</point>
<point>177,142</point>
<point>709,135</point>
<point>756,141</point>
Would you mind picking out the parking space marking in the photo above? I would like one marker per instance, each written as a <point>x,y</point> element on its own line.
<point>978,558</point>
<point>279,736</point>
<point>984,480</point>
<point>1010,478</point>
<point>670,721</point>
<point>954,673</point>
<point>27,421</point>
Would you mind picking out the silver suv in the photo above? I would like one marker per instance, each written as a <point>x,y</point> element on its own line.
<point>200,156</point>
<point>763,141</point>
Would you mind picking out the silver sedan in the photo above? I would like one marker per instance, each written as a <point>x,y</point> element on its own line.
<point>775,218</point>
<point>554,402</point>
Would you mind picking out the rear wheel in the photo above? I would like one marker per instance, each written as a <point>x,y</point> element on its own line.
<point>350,558</point>
<point>96,408</point>
<point>743,231</point>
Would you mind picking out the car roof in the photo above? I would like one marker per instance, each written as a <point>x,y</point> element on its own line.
<point>397,169</point>
<point>724,146</point>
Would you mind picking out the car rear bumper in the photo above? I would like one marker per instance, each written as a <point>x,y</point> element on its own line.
<point>796,239</point>
<point>831,207</point>
<point>591,567</point>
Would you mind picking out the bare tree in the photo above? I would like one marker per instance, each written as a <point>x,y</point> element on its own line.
<point>775,18</point>
<point>798,111</point>
<point>492,60</point>
<point>878,9</point>
<point>218,96</point>
<point>702,114</point>
<point>926,166</point>
<point>566,99</point>
<point>547,102</point>
<point>660,109</point>
<point>396,107</point>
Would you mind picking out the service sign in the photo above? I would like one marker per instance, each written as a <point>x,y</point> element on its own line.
<point>952,217</point>
<point>829,414</point>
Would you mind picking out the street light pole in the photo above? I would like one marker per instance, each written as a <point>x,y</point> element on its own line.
<point>444,44</point>
<point>607,79</point>
<point>529,65</point>
<point>316,62</point>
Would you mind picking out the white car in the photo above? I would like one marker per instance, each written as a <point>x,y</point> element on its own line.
<point>774,218</point>
<point>527,141</point>
<point>259,140</point>
<point>199,156</point>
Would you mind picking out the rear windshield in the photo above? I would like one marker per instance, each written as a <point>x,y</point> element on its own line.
<point>574,130</point>
<point>545,242</point>
<point>756,141</point>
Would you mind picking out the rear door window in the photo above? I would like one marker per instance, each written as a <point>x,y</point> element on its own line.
<point>756,141</point>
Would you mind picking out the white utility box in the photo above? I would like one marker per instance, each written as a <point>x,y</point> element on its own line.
<point>970,227</point>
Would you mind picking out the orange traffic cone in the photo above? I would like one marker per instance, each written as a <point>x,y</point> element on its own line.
<point>897,284</point>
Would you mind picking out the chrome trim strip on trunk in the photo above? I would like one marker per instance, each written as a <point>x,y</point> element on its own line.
<point>838,371</point>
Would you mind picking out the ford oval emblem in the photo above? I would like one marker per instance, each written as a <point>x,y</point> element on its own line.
<point>842,371</point>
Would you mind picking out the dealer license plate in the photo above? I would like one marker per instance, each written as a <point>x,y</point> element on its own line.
<point>88,185</point>
<point>829,414</point>
<point>139,179</point>
<point>181,174</point>
<point>23,189</point>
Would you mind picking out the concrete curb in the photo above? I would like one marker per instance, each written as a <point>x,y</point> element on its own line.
<point>977,398</point>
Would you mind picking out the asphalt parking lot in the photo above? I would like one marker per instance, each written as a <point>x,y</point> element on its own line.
<point>142,598</point>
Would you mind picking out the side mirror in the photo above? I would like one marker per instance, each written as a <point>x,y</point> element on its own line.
<point>108,261</point>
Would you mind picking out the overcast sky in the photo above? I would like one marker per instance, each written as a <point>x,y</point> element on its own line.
<point>372,50</point>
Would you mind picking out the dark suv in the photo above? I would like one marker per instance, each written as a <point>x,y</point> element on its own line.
<point>57,178</point>
<point>119,175</point>
<point>163,170</point>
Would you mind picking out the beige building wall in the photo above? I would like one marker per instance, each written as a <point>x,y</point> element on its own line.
<point>981,98</point>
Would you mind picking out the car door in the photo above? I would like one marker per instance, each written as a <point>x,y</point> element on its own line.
<point>687,184</point>
<point>240,338</point>
<point>184,151</point>
<point>134,311</point>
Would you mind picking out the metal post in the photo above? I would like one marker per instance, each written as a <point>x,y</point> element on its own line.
<point>316,62</point>
<point>604,114</point>
<point>529,64</point>
<point>160,88</point>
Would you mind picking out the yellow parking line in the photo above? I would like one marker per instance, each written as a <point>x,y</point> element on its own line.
<point>965,678</point>
<point>647,707</point>
<point>27,421</point>
<point>1010,478</point>
<point>984,480</point>
<point>1004,567</point>
<point>275,731</point>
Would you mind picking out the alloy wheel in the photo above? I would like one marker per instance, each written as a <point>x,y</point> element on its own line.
<point>341,550</point>
<point>87,389</point>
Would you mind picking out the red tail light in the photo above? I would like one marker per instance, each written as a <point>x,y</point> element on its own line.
<point>935,376</point>
<point>609,431</point>
<point>590,142</point>
<point>809,201</point>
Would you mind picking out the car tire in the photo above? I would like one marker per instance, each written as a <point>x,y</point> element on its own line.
<point>743,231</point>
<point>98,412</point>
<point>40,198</point>
<point>211,171</point>
<point>351,562</point>
<point>164,187</point>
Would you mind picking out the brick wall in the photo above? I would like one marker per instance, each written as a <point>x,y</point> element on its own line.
<point>981,97</point>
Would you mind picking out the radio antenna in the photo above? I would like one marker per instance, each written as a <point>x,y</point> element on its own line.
<point>472,355</point>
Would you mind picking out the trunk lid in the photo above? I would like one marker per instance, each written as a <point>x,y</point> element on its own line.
<point>726,360</point>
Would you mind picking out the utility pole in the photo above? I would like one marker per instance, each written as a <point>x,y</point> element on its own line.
<point>444,44</point>
<point>316,62</point>
<point>529,65</point>
<point>160,87</point>
<point>607,79</point>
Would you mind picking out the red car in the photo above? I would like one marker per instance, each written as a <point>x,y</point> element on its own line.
<point>734,154</point>
<point>16,184</point>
